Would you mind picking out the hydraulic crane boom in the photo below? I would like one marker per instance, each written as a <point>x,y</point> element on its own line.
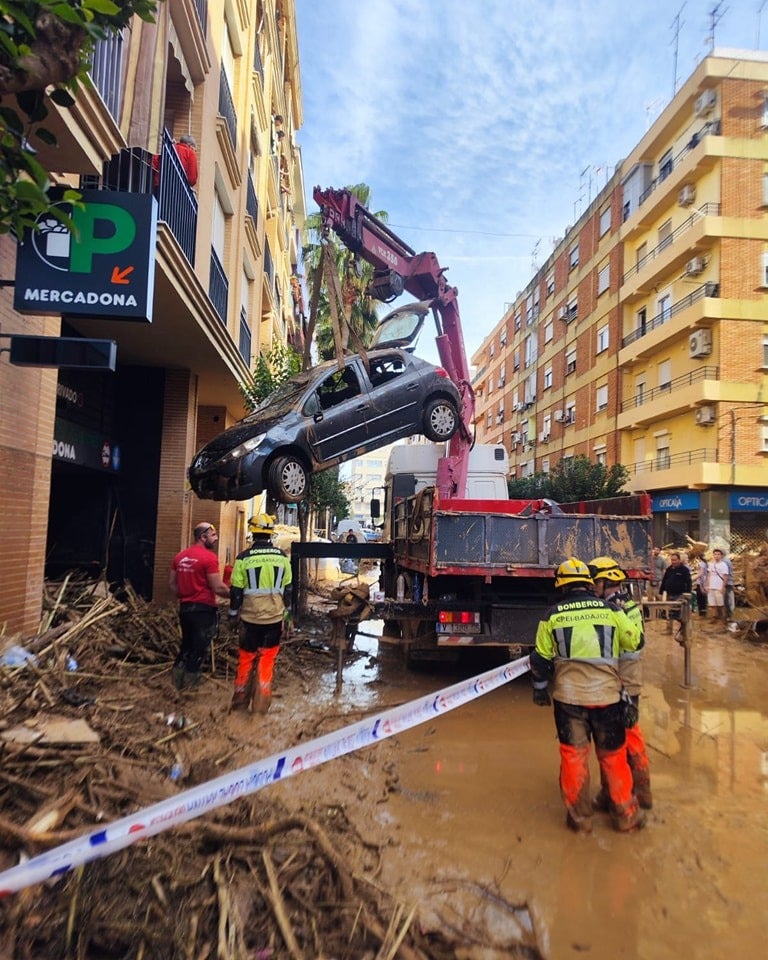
<point>398,269</point>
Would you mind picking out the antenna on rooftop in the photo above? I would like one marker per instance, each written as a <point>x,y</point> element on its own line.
<point>676,25</point>
<point>715,16</point>
<point>759,19</point>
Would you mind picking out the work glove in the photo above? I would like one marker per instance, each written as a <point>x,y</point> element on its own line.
<point>541,697</point>
<point>233,623</point>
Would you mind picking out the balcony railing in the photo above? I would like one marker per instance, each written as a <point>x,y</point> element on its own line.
<point>251,200</point>
<point>258,66</point>
<point>678,383</point>
<point>107,71</point>
<point>218,287</point>
<point>707,209</point>
<point>245,337</point>
<point>709,129</point>
<point>227,107</point>
<point>201,6</point>
<point>667,462</point>
<point>177,201</point>
<point>709,289</point>
<point>269,267</point>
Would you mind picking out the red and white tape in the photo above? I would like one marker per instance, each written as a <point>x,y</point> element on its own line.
<point>239,783</point>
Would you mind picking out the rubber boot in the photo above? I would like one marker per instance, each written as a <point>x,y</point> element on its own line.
<point>177,675</point>
<point>192,680</point>
<point>264,700</point>
<point>244,680</point>
<point>627,817</point>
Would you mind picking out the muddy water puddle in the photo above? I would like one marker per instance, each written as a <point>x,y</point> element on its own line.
<point>475,813</point>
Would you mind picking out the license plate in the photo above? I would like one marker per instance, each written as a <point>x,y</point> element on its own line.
<point>459,628</point>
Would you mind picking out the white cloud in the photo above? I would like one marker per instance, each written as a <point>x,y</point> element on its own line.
<point>486,126</point>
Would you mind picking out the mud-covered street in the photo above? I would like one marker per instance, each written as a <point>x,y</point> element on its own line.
<point>455,826</point>
<point>476,822</point>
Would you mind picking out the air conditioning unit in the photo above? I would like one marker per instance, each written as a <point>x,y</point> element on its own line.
<point>543,437</point>
<point>559,416</point>
<point>705,416</point>
<point>705,103</point>
<point>519,407</point>
<point>515,438</point>
<point>687,195</point>
<point>700,344</point>
<point>695,266</point>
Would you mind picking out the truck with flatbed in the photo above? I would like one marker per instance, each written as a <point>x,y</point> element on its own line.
<point>468,565</point>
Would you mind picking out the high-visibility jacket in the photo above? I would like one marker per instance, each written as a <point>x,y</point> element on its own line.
<point>579,644</point>
<point>630,662</point>
<point>260,578</point>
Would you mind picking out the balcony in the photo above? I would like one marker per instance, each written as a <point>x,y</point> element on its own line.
<point>679,318</point>
<point>226,129</point>
<point>189,19</point>
<point>244,343</point>
<point>682,393</point>
<point>252,215</point>
<point>688,470</point>
<point>669,255</point>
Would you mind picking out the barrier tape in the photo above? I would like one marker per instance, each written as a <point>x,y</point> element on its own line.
<point>239,783</point>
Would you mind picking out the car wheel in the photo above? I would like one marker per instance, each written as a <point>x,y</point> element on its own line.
<point>441,420</point>
<point>288,480</point>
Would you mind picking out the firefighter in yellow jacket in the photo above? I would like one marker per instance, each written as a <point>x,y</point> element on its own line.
<point>578,646</point>
<point>261,593</point>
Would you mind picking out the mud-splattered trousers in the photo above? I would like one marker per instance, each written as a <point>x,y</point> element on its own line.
<point>259,645</point>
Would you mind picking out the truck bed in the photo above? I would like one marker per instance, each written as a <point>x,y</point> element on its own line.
<point>493,538</point>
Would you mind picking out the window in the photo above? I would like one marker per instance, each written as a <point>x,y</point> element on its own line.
<point>518,320</point>
<point>663,458</point>
<point>572,309</point>
<point>605,221</point>
<point>570,412</point>
<point>338,386</point>
<point>547,425</point>
<point>570,361</point>
<point>602,338</point>
<point>503,337</point>
<point>640,392</point>
<point>665,308</point>
<point>665,235</point>
<point>531,350</point>
<point>500,414</point>
<point>548,331</point>
<point>545,465</point>
<point>385,369</point>
<point>502,376</point>
<point>601,397</point>
<point>665,165</point>
<point>603,279</point>
<point>550,284</point>
<point>573,257</point>
<point>641,255</point>
<point>765,270</point>
<point>516,359</point>
<point>490,385</point>
<point>493,349</point>
<point>765,189</point>
<point>764,438</point>
<point>665,375</point>
<point>601,456</point>
<point>764,118</point>
<point>642,317</point>
<point>548,378</point>
<point>489,419</point>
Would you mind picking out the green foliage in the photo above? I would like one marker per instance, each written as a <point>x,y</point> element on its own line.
<point>326,490</point>
<point>574,478</point>
<point>272,369</point>
<point>358,308</point>
<point>44,43</point>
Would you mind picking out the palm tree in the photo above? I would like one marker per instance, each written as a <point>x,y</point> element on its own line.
<point>358,309</point>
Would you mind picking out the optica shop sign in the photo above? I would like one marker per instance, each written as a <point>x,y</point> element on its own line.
<point>753,501</point>
<point>104,268</point>
<point>675,502</point>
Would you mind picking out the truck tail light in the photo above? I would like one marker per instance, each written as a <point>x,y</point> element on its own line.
<point>459,616</point>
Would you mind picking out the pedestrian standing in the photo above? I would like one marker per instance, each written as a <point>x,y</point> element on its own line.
<point>578,645</point>
<point>700,584</point>
<point>719,578</point>
<point>261,594</point>
<point>675,583</point>
<point>196,582</point>
<point>658,566</point>
<point>611,585</point>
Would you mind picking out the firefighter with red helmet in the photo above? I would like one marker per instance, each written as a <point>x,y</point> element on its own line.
<point>611,585</point>
<point>261,594</point>
<point>578,645</point>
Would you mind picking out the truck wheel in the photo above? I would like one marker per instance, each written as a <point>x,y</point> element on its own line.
<point>288,480</point>
<point>441,420</point>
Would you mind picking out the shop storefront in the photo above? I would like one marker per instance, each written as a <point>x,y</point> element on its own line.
<point>736,519</point>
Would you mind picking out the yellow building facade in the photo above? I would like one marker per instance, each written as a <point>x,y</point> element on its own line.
<point>225,280</point>
<point>644,338</point>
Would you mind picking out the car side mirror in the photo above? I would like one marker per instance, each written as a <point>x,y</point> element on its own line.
<point>375,509</point>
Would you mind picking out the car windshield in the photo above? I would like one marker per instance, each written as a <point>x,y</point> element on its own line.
<point>285,395</point>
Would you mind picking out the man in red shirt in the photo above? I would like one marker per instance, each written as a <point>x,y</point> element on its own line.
<point>196,581</point>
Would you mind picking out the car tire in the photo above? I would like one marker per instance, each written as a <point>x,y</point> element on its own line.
<point>288,480</point>
<point>441,419</point>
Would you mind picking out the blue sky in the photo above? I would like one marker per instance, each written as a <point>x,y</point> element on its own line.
<point>484,127</point>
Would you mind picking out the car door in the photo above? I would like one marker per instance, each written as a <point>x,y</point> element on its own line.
<point>395,396</point>
<point>338,410</point>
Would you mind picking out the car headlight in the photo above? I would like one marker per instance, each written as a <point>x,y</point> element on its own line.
<point>242,448</point>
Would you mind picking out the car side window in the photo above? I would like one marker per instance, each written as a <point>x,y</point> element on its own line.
<point>338,386</point>
<point>386,368</point>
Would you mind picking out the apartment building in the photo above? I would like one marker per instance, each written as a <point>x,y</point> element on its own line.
<point>222,281</point>
<point>643,340</point>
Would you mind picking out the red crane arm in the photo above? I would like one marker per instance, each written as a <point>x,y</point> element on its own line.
<point>399,268</point>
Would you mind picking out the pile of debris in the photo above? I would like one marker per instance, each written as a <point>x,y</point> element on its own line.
<point>92,730</point>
